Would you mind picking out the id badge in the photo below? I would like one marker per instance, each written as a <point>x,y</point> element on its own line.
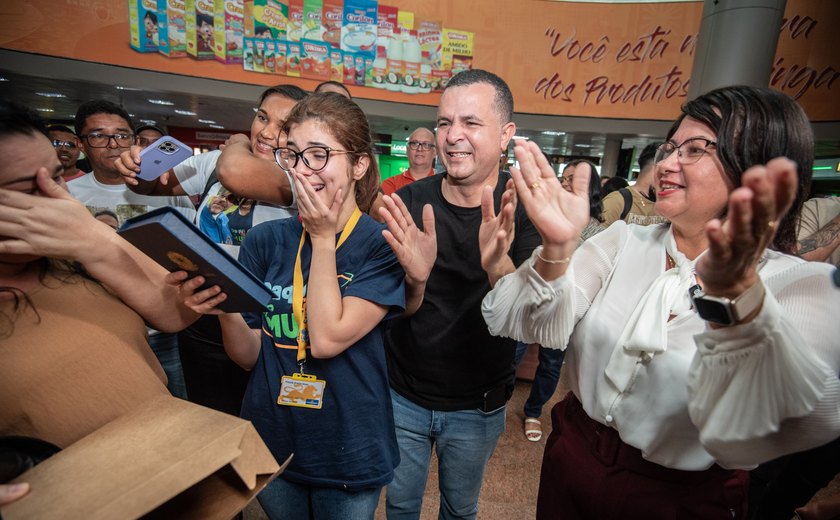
<point>303,390</point>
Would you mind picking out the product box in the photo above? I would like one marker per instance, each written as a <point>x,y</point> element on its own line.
<point>143,25</point>
<point>359,60</point>
<point>171,240</point>
<point>311,26</point>
<point>336,65</point>
<point>385,25</point>
<point>349,68</point>
<point>431,42</point>
<point>455,42</point>
<point>293,57</point>
<point>315,61</point>
<point>270,61</point>
<point>294,25</point>
<point>168,458</point>
<point>248,53</point>
<point>280,53</point>
<point>405,20</point>
<point>172,28</point>
<point>440,78</point>
<point>270,19</point>
<point>200,38</point>
<point>228,26</point>
<point>359,29</point>
<point>331,15</point>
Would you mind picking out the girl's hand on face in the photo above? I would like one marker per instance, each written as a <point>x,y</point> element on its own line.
<point>737,244</point>
<point>201,302</point>
<point>318,219</point>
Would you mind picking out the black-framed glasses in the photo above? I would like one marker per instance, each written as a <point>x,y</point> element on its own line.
<point>315,157</point>
<point>420,145</point>
<point>58,143</point>
<point>688,152</point>
<point>97,140</point>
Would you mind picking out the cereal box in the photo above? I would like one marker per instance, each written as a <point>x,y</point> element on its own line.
<point>172,28</point>
<point>429,35</point>
<point>315,61</point>
<point>293,58</point>
<point>199,16</point>
<point>270,19</point>
<point>455,42</point>
<point>228,27</point>
<point>358,32</point>
<point>143,25</point>
<point>336,65</point>
<point>311,26</point>
<point>294,26</point>
<point>331,22</point>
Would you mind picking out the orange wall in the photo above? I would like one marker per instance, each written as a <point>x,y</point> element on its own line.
<point>580,59</point>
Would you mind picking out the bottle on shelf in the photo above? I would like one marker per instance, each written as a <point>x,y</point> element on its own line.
<point>394,58</point>
<point>412,56</point>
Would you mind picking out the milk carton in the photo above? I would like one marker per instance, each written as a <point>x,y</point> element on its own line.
<point>143,25</point>
<point>200,38</point>
<point>172,28</point>
<point>228,27</point>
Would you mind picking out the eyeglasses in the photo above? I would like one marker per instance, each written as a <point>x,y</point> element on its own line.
<point>98,140</point>
<point>689,152</point>
<point>418,145</point>
<point>58,143</point>
<point>315,157</point>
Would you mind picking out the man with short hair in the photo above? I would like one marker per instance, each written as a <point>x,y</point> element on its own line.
<point>450,379</point>
<point>68,148</point>
<point>635,204</point>
<point>104,129</point>
<point>144,135</point>
<point>421,157</point>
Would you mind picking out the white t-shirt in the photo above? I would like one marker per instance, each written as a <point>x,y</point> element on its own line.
<point>196,170</point>
<point>737,395</point>
<point>121,200</point>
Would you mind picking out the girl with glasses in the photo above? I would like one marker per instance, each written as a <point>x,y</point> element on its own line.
<point>318,386</point>
<point>698,348</point>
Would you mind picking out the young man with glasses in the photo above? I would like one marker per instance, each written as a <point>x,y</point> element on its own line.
<point>421,157</point>
<point>104,130</point>
<point>68,148</point>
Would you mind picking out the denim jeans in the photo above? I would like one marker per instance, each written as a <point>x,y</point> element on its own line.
<point>463,440</point>
<point>165,347</point>
<point>283,500</point>
<point>545,379</point>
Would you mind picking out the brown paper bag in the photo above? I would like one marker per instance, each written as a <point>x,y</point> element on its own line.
<point>167,459</point>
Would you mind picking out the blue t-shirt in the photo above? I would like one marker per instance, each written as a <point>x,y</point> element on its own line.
<point>350,442</point>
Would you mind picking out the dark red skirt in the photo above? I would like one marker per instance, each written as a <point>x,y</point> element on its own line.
<point>589,473</point>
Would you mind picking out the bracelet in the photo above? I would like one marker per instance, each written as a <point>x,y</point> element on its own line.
<point>563,261</point>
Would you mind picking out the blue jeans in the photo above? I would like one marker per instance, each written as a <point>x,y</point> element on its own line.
<point>545,379</point>
<point>283,500</point>
<point>165,347</point>
<point>463,440</point>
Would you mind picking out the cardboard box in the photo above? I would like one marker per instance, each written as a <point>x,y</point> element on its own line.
<point>171,240</point>
<point>143,25</point>
<point>228,28</point>
<point>172,28</point>
<point>168,458</point>
<point>200,30</point>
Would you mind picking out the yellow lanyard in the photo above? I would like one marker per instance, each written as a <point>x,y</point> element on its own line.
<point>297,288</point>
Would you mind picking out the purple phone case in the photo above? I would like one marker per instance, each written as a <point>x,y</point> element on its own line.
<point>160,156</point>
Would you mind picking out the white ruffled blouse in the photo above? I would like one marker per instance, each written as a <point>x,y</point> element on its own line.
<point>684,394</point>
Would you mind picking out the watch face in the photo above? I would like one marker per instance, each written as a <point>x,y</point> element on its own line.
<point>714,311</point>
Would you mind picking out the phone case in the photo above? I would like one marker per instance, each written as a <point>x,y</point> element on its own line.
<point>162,155</point>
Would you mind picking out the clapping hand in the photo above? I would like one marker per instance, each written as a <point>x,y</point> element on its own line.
<point>416,250</point>
<point>496,233</point>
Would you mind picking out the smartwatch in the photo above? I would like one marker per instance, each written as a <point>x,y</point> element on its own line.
<point>722,310</point>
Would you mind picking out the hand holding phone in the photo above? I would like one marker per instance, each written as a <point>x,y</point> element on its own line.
<point>161,156</point>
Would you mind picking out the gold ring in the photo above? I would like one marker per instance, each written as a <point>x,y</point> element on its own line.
<point>535,185</point>
<point>771,225</point>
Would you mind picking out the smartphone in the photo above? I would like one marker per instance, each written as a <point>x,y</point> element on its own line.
<point>161,156</point>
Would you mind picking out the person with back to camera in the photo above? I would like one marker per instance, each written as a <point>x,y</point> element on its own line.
<point>551,359</point>
<point>635,204</point>
<point>333,272</point>
<point>670,401</point>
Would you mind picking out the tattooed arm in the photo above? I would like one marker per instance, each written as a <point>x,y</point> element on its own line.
<point>818,246</point>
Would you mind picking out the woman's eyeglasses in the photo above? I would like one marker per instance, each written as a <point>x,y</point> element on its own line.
<point>315,157</point>
<point>688,152</point>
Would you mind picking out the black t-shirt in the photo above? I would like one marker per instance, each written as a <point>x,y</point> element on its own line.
<point>239,225</point>
<point>443,357</point>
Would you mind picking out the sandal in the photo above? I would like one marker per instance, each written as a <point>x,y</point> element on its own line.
<point>533,429</point>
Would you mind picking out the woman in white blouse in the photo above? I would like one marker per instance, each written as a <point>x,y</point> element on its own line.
<point>671,401</point>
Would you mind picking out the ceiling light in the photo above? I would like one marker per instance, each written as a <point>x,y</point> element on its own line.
<point>3,78</point>
<point>148,121</point>
<point>51,94</point>
<point>583,146</point>
<point>44,109</point>
<point>217,126</point>
<point>161,102</point>
<point>184,112</point>
<point>120,87</point>
<point>206,121</point>
<point>552,132</point>
<point>520,138</point>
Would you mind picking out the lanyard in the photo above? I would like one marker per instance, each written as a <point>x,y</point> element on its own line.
<point>297,288</point>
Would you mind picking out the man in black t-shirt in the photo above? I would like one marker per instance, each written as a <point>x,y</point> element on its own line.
<point>449,377</point>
